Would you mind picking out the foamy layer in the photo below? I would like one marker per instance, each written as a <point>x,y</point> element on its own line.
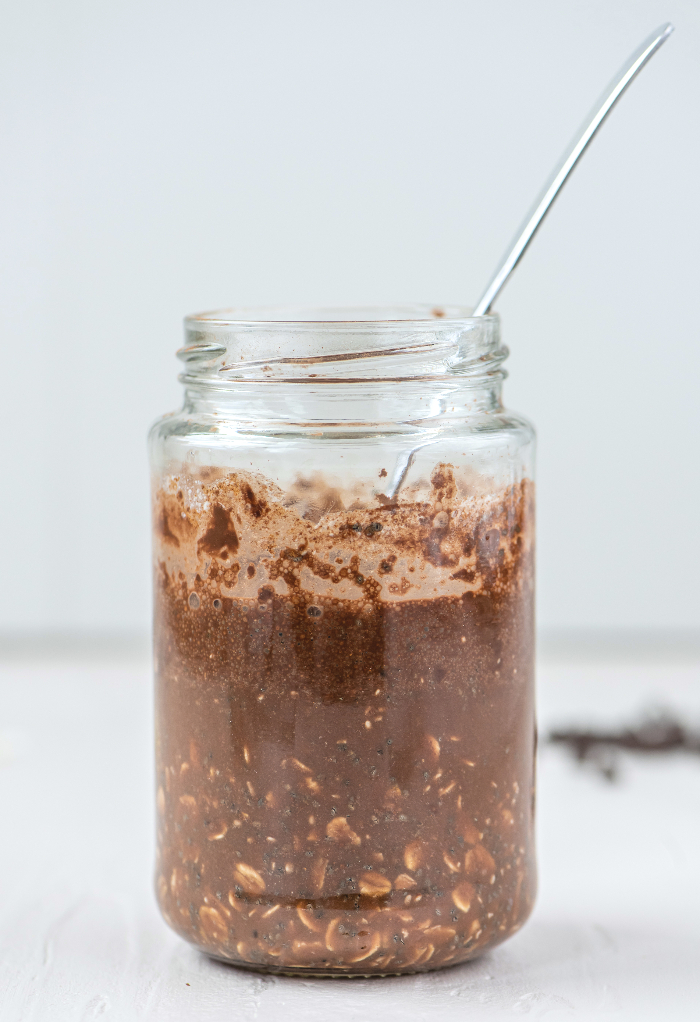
<point>239,533</point>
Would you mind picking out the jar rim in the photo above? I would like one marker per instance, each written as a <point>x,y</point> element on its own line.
<point>432,341</point>
<point>336,316</point>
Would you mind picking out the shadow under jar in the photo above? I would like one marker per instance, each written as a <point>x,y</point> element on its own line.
<point>343,571</point>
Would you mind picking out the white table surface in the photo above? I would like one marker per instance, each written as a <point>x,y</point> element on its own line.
<point>615,934</point>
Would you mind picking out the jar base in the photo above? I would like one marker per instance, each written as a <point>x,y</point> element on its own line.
<point>312,973</point>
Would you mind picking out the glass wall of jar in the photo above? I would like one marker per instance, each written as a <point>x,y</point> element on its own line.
<point>343,570</point>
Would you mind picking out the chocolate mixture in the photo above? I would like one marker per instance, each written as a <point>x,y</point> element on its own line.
<point>345,723</point>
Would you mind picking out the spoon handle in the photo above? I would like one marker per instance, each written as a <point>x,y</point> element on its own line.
<point>538,212</point>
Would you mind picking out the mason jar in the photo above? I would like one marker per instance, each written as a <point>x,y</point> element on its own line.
<point>344,633</point>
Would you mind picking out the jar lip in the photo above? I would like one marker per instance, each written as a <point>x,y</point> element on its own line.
<point>422,345</point>
<point>336,316</point>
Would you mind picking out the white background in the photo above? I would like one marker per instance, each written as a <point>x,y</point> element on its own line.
<point>161,157</point>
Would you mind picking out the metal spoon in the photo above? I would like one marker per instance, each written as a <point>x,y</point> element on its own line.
<point>538,212</point>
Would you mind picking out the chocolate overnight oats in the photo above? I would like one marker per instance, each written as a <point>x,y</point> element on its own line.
<point>345,720</point>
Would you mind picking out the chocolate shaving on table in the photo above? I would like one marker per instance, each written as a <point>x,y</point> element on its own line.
<point>656,734</point>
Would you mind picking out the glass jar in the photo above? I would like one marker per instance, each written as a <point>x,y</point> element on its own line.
<point>344,638</point>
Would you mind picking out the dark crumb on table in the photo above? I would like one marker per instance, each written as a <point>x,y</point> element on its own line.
<point>657,733</point>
